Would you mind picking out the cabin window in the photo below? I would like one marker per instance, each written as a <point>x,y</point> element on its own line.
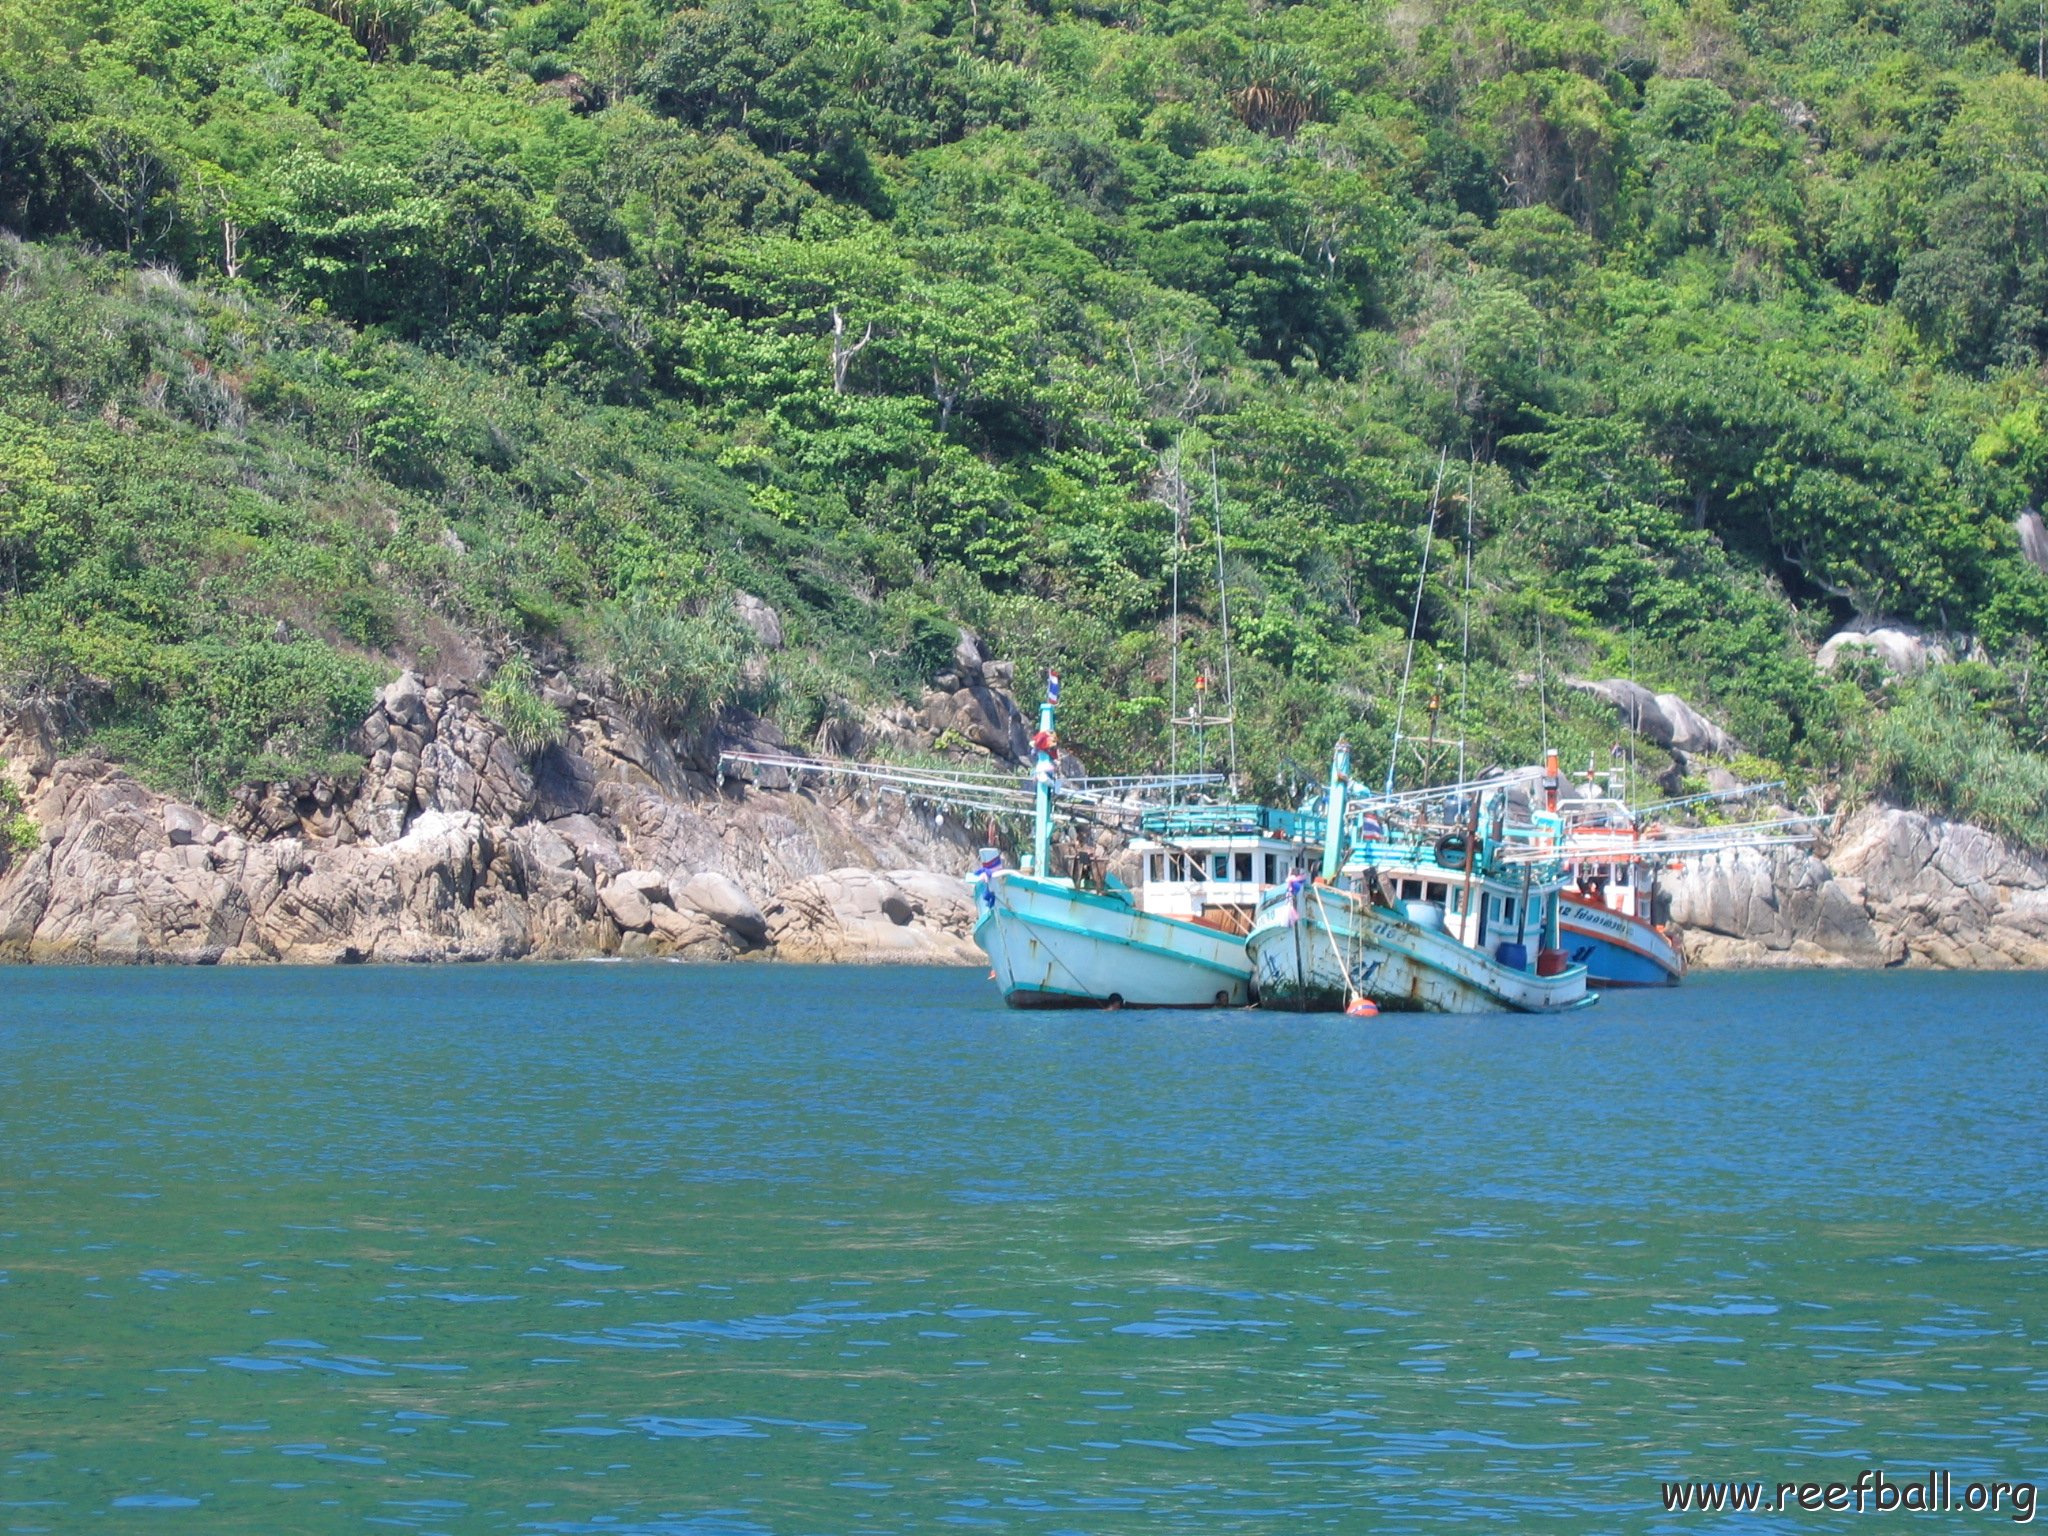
<point>1244,868</point>
<point>1435,891</point>
<point>1272,870</point>
<point>1155,868</point>
<point>1621,874</point>
<point>1219,866</point>
<point>1507,909</point>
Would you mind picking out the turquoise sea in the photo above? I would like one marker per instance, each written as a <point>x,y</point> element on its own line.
<point>687,1250</point>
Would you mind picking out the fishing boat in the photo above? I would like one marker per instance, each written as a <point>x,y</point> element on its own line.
<point>1428,918</point>
<point>1087,939</point>
<point>1608,910</point>
<point>1614,856</point>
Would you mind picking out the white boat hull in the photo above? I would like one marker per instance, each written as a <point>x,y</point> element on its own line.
<point>1314,952</point>
<point>1617,950</point>
<point>1053,946</point>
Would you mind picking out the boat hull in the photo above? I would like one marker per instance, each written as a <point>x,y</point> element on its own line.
<point>1616,949</point>
<point>1311,955</point>
<point>1052,946</point>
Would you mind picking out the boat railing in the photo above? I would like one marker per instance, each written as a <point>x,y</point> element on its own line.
<point>1182,821</point>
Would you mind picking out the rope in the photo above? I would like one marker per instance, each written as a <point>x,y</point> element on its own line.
<point>1415,621</point>
<point>1352,993</point>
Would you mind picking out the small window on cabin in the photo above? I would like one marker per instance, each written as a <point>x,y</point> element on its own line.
<point>1621,872</point>
<point>1155,868</point>
<point>1507,909</point>
<point>1457,903</point>
<point>1219,866</point>
<point>1244,868</point>
<point>1436,892</point>
<point>1272,870</point>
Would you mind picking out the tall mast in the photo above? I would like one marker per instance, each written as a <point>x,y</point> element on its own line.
<point>1173,664</point>
<point>1333,825</point>
<point>1465,643</point>
<point>1042,773</point>
<point>1223,610</point>
<point>1415,619</point>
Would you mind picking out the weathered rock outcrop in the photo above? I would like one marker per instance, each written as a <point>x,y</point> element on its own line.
<point>1663,718</point>
<point>451,846</point>
<point>1895,888</point>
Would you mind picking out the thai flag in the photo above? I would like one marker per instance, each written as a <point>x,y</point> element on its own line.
<point>1370,828</point>
<point>1052,687</point>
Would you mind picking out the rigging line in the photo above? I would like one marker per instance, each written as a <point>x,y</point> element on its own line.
<point>1415,620</point>
<point>1223,607</point>
<point>1465,642</point>
<point>1173,686</point>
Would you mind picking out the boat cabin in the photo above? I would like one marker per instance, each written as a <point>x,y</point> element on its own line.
<point>1489,911</point>
<point>1213,864</point>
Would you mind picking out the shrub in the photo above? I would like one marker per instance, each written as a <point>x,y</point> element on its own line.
<point>529,721</point>
<point>679,669</point>
<point>1937,750</point>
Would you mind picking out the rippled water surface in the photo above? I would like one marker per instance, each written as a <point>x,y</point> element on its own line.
<point>742,1249</point>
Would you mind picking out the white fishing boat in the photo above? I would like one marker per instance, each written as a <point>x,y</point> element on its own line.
<point>1428,920</point>
<point>1086,939</point>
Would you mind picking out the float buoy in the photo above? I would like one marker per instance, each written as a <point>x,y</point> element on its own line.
<point>1363,1008</point>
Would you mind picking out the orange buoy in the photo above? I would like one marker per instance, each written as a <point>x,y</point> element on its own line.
<point>1363,1008</point>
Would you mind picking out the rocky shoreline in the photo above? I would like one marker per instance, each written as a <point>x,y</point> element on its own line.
<point>450,846</point>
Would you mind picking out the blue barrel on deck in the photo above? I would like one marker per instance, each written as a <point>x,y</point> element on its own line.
<point>1512,955</point>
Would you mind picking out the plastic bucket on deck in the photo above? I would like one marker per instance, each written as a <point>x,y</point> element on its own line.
<point>1512,955</point>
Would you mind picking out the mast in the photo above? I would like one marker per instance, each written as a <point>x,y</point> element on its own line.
<point>1046,743</point>
<point>1465,643</point>
<point>1223,610</point>
<point>1415,621</point>
<point>1175,507</point>
<point>1333,826</point>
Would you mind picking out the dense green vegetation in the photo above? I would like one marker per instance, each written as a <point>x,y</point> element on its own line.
<point>493,338</point>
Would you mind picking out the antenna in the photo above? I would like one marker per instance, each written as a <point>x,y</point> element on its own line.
<point>1465,644</point>
<point>1173,685</point>
<point>1223,609</point>
<point>1415,620</point>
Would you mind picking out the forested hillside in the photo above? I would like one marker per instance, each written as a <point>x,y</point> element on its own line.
<point>493,340</point>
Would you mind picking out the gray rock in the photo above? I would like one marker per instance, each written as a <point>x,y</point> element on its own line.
<point>650,883</point>
<point>2033,538</point>
<point>629,908</point>
<point>404,700</point>
<point>184,825</point>
<point>1663,718</point>
<point>720,898</point>
<point>1903,648</point>
<point>762,620</point>
<point>906,915</point>
<point>983,716</point>
<point>596,850</point>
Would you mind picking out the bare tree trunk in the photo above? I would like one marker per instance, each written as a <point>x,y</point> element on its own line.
<point>842,354</point>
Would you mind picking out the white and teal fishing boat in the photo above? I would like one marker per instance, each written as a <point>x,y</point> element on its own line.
<point>1175,941</point>
<point>1430,919</point>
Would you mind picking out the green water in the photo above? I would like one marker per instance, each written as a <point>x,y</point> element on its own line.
<point>700,1250</point>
